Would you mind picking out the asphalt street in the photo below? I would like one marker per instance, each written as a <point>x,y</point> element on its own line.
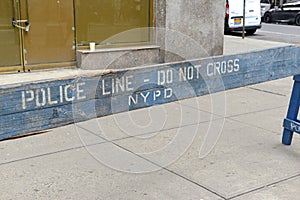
<point>277,33</point>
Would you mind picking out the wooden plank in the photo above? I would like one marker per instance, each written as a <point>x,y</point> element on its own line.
<point>36,106</point>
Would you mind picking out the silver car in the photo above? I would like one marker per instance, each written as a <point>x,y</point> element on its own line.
<point>287,13</point>
<point>265,5</point>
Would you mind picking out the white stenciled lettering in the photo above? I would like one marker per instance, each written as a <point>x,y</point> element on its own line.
<point>164,77</point>
<point>161,77</point>
<point>120,84</point>
<point>67,97</point>
<point>80,91</point>
<point>157,94</point>
<point>50,101</point>
<point>190,73</point>
<point>198,71</point>
<point>186,73</point>
<point>61,95</point>
<point>230,66</point>
<point>236,65</point>
<point>223,67</point>
<point>169,76</point>
<point>168,93</point>
<point>129,83</point>
<point>210,69</point>
<point>145,96</point>
<point>40,93</point>
<point>50,96</point>
<point>113,86</point>
<point>25,97</point>
<point>150,96</point>
<point>133,100</point>
<point>116,85</point>
<point>295,127</point>
<point>104,91</point>
<point>182,74</point>
<point>217,66</point>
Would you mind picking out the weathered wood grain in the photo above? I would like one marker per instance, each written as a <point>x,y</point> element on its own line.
<point>47,104</point>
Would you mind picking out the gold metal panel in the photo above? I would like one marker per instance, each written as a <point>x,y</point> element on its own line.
<point>50,40</point>
<point>10,58</point>
<point>113,21</point>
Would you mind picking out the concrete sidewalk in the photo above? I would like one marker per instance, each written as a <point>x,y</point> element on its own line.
<point>191,149</point>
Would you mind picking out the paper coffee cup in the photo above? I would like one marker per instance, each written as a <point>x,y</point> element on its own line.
<point>92,46</point>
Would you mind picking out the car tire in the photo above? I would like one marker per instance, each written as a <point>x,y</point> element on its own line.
<point>267,18</point>
<point>251,31</point>
<point>297,20</point>
<point>227,32</point>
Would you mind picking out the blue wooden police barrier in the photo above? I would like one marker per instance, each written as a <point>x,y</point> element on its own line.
<point>42,105</point>
<point>291,124</point>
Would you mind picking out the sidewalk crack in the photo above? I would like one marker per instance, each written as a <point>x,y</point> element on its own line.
<point>265,186</point>
<point>266,91</point>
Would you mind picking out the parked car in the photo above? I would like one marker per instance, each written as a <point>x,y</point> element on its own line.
<point>265,5</point>
<point>289,1</point>
<point>234,16</point>
<point>287,13</point>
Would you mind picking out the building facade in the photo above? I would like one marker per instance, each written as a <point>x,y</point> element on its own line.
<point>50,34</point>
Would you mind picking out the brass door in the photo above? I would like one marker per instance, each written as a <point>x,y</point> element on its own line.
<point>36,34</point>
<point>50,40</point>
<point>10,38</point>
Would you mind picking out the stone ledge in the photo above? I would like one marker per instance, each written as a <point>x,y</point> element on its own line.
<point>128,48</point>
<point>117,58</point>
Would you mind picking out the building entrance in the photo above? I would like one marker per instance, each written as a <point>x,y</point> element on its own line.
<point>37,34</point>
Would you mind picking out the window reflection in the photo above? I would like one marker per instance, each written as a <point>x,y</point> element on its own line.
<point>99,20</point>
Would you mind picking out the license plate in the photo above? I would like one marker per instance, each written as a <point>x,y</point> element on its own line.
<point>237,21</point>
